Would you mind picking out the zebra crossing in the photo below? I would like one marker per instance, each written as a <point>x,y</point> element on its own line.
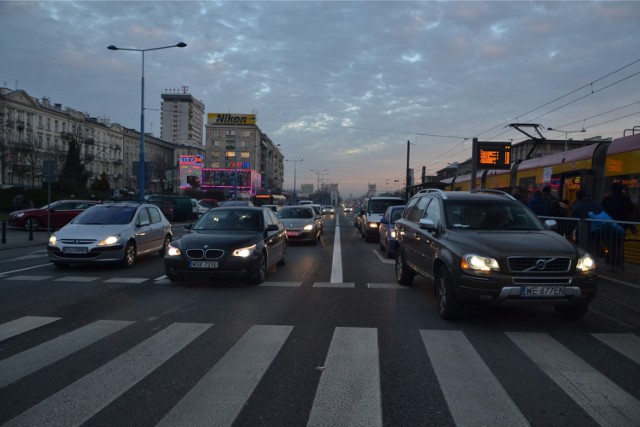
<point>349,388</point>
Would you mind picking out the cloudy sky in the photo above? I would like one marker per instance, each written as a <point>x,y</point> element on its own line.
<point>341,85</point>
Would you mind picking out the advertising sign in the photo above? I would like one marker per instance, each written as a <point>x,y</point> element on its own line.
<point>231,119</point>
<point>190,169</point>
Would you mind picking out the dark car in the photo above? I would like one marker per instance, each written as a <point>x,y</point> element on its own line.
<point>387,230</point>
<point>486,247</point>
<point>235,241</point>
<point>236,203</point>
<point>60,212</point>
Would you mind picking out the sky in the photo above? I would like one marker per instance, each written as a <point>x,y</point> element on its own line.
<point>347,88</point>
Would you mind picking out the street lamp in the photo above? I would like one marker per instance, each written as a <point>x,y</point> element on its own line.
<point>318,173</point>
<point>141,172</point>
<point>295,164</point>
<point>566,135</point>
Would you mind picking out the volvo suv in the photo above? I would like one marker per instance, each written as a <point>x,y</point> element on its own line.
<point>486,247</point>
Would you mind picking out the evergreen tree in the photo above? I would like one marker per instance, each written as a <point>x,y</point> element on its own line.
<point>74,178</point>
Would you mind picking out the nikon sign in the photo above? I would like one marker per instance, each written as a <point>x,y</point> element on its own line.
<point>231,119</point>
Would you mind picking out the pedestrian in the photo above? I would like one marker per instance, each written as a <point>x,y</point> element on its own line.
<point>560,211</point>
<point>619,207</point>
<point>515,192</point>
<point>548,198</point>
<point>536,204</point>
<point>585,237</point>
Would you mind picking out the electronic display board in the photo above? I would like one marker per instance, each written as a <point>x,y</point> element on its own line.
<point>493,155</point>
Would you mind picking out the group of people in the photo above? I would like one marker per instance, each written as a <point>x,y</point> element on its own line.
<point>615,206</point>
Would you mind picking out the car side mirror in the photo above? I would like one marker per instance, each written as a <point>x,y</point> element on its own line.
<point>273,227</point>
<point>551,224</point>
<point>188,226</point>
<point>427,224</point>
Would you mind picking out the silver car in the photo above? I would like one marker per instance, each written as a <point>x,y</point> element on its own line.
<point>301,223</point>
<point>111,233</point>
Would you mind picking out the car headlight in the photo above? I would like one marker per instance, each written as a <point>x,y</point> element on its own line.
<point>586,263</point>
<point>111,240</point>
<point>308,227</point>
<point>479,263</point>
<point>53,240</point>
<point>244,252</point>
<point>393,234</point>
<point>373,225</point>
<point>173,251</point>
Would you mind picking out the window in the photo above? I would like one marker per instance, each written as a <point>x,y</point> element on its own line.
<point>433,212</point>
<point>155,216</point>
<point>418,211</point>
<point>143,217</point>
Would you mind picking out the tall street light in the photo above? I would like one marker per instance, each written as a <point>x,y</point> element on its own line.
<point>566,135</point>
<point>141,172</point>
<point>295,164</point>
<point>318,173</point>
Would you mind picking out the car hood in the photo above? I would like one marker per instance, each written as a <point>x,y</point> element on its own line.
<point>91,231</point>
<point>296,222</point>
<point>217,238</point>
<point>498,244</point>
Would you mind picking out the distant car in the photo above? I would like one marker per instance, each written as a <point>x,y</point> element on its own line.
<point>198,208</point>
<point>61,212</point>
<point>372,211</point>
<point>348,209</point>
<point>317,208</point>
<point>208,203</point>
<point>301,223</point>
<point>236,203</point>
<point>328,210</point>
<point>387,230</point>
<point>231,241</point>
<point>111,233</point>
<point>166,208</point>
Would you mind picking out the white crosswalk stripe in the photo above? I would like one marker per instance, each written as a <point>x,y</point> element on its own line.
<point>349,389</point>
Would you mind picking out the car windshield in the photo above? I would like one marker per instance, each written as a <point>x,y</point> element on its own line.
<point>380,206</point>
<point>482,215</point>
<point>105,215</point>
<point>293,212</point>
<point>229,219</point>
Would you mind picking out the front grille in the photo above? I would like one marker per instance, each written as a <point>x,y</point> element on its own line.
<point>201,254</point>
<point>539,264</point>
<point>78,241</point>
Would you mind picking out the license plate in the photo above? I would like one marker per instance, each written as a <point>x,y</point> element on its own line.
<point>542,291</point>
<point>74,250</point>
<point>203,264</point>
<point>293,233</point>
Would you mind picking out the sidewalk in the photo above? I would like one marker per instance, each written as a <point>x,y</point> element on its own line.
<point>18,238</point>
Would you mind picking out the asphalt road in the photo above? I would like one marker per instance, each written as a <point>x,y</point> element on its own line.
<point>328,340</point>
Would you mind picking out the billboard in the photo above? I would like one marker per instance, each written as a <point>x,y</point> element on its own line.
<point>246,180</point>
<point>231,119</point>
<point>190,168</point>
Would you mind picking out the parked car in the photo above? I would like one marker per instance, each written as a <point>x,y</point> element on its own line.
<point>111,233</point>
<point>301,223</point>
<point>60,212</point>
<point>166,208</point>
<point>372,211</point>
<point>182,206</point>
<point>387,230</point>
<point>226,242</point>
<point>485,247</point>
<point>208,203</point>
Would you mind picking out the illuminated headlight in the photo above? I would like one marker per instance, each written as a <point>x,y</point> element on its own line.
<point>586,263</point>
<point>244,252</point>
<point>53,240</point>
<point>173,251</point>
<point>373,225</point>
<point>393,234</point>
<point>111,240</point>
<point>308,227</point>
<point>479,263</point>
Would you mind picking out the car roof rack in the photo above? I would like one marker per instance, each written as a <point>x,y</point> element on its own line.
<point>430,190</point>
<point>492,191</point>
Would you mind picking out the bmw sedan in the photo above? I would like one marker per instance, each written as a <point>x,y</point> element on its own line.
<point>301,223</point>
<point>233,241</point>
<point>111,233</point>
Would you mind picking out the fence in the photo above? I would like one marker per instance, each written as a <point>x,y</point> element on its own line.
<point>616,244</point>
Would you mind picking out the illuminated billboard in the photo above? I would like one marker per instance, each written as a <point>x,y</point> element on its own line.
<point>247,181</point>
<point>231,119</point>
<point>190,168</point>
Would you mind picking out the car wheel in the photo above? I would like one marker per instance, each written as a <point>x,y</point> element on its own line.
<point>165,245</point>
<point>573,312</point>
<point>129,255</point>
<point>283,261</point>
<point>448,305</point>
<point>31,223</point>
<point>404,275</point>
<point>259,273</point>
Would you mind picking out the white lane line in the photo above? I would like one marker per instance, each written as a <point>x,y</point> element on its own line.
<point>282,284</point>
<point>30,278</point>
<point>81,400</point>
<point>473,394</point>
<point>76,279</point>
<point>27,268</point>
<point>218,398</point>
<point>336,263</point>
<point>29,361</point>
<point>333,285</point>
<point>23,324</point>
<point>349,390</point>
<point>385,286</point>
<point>383,260</point>
<point>601,398</point>
<point>132,280</point>
<point>626,344</point>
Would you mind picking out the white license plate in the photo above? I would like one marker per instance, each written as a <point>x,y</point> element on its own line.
<point>74,250</point>
<point>293,233</point>
<point>203,264</point>
<point>542,291</point>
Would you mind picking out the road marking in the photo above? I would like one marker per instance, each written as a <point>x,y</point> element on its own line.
<point>626,344</point>
<point>282,284</point>
<point>600,397</point>
<point>22,325</point>
<point>132,280</point>
<point>30,278</point>
<point>336,263</point>
<point>349,390</point>
<point>76,279</point>
<point>333,285</point>
<point>29,361</point>
<point>84,398</point>
<point>27,268</point>
<point>473,394</point>
<point>385,286</point>
<point>218,398</point>
<point>383,260</point>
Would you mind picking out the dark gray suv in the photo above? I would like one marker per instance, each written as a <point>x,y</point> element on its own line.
<point>486,247</point>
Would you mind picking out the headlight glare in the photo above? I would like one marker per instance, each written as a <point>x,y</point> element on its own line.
<point>111,240</point>
<point>586,263</point>
<point>244,252</point>
<point>173,251</point>
<point>308,227</point>
<point>53,240</point>
<point>479,263</point>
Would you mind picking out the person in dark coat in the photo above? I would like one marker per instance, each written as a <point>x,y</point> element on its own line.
<point>619,207</point>
<point>536,204</point>
<point>581,208</point>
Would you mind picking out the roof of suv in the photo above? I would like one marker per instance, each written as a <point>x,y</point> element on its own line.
<point>468,195</point>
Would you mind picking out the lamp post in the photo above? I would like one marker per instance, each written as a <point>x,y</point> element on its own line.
<point>318,173</point>
<point>141,172</point>
<point>295,164</point>
<point>566,135</point>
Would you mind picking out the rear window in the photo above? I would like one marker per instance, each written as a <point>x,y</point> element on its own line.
<point>380,206</point>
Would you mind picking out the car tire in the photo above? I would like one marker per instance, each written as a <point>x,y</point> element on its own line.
<point>404,276</point>
<point>448,304</point>
<point>283,261</point>
<point>33,223</point>
<point>573,312</point>
<point>129,257</point>
<point>258,274</point>
<point>165,245</point>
